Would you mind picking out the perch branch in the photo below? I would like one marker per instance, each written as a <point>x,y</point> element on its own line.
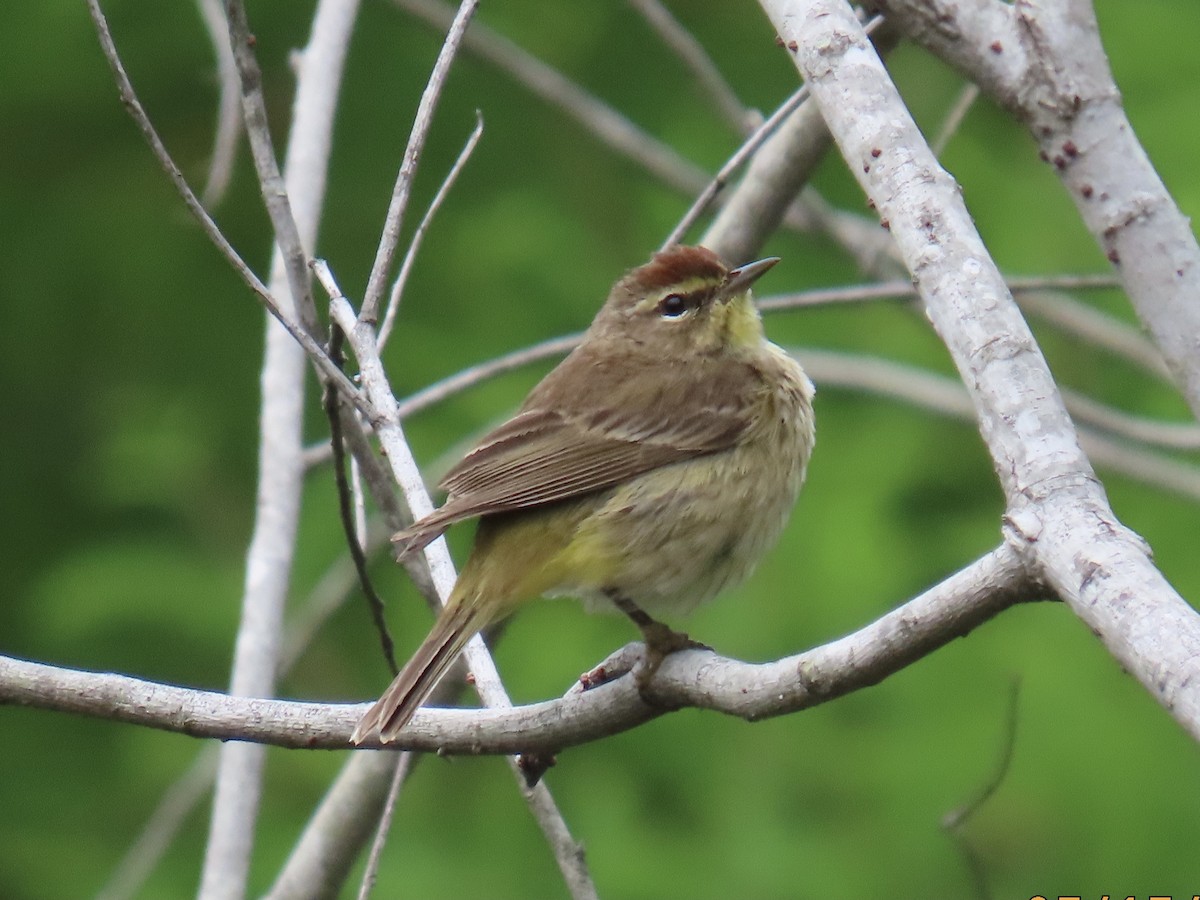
<point>692,678</point>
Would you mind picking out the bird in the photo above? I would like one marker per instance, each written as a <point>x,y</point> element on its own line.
<point>649,471</point>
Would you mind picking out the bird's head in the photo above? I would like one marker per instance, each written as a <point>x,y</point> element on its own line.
<point>685,301</point>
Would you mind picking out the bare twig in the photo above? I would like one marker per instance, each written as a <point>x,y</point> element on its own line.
<point>485,679</point>
<point>129,97</point>
<point>1096,327</point>
<point>469,377</point>
<point>954,821</point>
<point>735,162</point>
<point>281,466</point>
<point>229,107</point>
<point>947,397</point>
<point>905,290</point>
<point>414,245</point>
<point>599,118</point>
<point>389,240</point>
<point>959,816</point>
<point>403,765</point>
<point>954,117</point>
<point>1170,435</point>
<point>704,71</point>
<point>288,240</point>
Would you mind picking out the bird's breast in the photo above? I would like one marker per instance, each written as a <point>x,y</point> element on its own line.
<point>678,535</point>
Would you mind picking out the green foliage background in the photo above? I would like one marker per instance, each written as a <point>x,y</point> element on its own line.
<point>129,365</point>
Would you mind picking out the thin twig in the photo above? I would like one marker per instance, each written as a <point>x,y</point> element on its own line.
<point>905,290</point>
<point>178,802</point>
<point>946,396</point>
<point>414,244</point>
<point>1097,328</point>
<point>735,162</point>
<point>389,240</point>
<point>1152,432</point>
<point>954,117</point>
<point>404,763</point>
<point>469,377</point>
<point>229,111</point>
<point>274,192</point>
<point>281,470</point>
<point>954,820</point>
<point>134,106</point>
<point>334,414</point>
<point>704,71</point>
<point>485,679</point>
<point>610,126</point>
<point>959,816</point>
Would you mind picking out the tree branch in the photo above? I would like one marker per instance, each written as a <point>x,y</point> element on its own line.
<point>693,678</point>
<point>1046,64</point>
<point>361,336</point>
<point>1100,568</point>
<point>281,462</point>
<point>389,240</point>
<point>229,106</point>
<point>138,113</point>
<point>704,71</point>
<point>748,148</point>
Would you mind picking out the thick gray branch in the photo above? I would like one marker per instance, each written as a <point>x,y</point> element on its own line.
<point>1045,63</point>
<point>1056,504</point>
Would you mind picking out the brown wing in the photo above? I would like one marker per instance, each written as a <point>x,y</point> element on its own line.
<point>586,427</point>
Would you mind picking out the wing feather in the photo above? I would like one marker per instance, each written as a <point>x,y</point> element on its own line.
<point>585,428</point>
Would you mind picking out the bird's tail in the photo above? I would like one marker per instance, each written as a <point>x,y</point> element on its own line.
<point>456,625</point>
<point>420,534</point>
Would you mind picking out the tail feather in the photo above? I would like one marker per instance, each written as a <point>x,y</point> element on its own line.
<point>420,534</point>
<point>457,624</point>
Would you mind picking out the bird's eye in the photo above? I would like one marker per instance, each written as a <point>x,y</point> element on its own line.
<point>672,306</point>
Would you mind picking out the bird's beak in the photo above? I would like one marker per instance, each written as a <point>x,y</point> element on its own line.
<point>739,279</point>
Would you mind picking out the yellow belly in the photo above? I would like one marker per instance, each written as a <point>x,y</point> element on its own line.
<point>669,539</point>
<point>675,537</point>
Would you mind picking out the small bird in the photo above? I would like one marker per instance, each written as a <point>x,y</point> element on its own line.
<point>651,469</point>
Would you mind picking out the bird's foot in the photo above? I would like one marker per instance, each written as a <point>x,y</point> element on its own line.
<point>661,641</point>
